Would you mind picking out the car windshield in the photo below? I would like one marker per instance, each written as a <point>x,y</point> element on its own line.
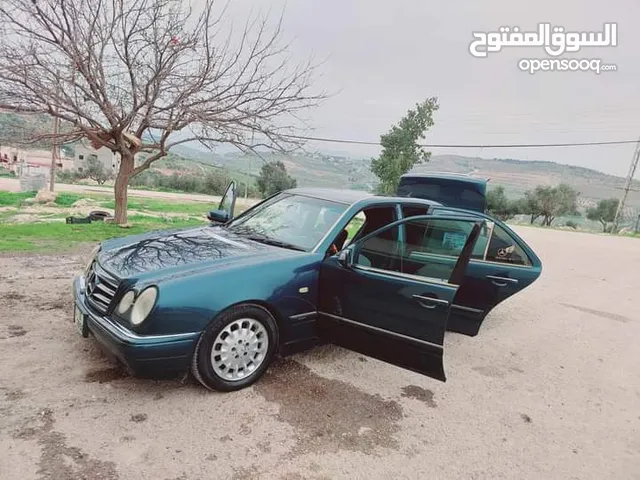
<point>289,221</point>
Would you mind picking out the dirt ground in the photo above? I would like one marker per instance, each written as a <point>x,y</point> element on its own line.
<point>549,389</point>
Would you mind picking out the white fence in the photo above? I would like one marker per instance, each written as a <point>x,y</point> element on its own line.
<point>32,182</point>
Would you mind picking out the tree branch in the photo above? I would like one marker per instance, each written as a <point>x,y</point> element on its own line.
<point>108,68</point>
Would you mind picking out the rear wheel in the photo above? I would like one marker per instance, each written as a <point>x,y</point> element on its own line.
<point>235,349</point>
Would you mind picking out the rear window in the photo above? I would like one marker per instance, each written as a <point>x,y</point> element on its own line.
<point>454,194</point>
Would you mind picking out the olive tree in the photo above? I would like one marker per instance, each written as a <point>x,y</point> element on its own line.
<point>500,206</point>
<point>550,202</point>
<point>142,76</point>
<point>274,178</point>
<point>604,212</point>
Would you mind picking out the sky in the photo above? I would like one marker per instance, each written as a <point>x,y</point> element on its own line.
<point>380,57</point>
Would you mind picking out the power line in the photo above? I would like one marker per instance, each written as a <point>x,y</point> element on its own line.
<point>499,145</point>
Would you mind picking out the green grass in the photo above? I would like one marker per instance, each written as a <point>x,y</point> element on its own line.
<point>151,205</point>
<point>14,199</point>
<point>65,199</point>
<point>59,236</point>
<point>158,189</point>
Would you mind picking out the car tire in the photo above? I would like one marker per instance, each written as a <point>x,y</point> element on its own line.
<point>253,325</point>
<point>99,215</point>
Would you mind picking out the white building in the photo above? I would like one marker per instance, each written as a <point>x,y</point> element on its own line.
<point>27,162</point>
<point>85,152</point>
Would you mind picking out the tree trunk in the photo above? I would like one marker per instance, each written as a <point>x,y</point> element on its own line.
<point>120,188</point>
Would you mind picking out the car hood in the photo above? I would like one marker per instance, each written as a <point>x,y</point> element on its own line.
<point>181,251</point>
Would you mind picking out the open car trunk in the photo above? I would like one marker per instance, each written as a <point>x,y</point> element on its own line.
<point>451,190</point>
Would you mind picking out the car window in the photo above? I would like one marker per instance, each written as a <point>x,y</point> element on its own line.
<point>501,248</point>
<point>411,211</point>
<point>480,249</point>
<point>431,248</point>
<point>443,238</point>
<point>504,249</point>
<point>295,219</point>
<point>369,220</point>
<point>381,251</point>
<point>446,237</point>
<point>354,225</point>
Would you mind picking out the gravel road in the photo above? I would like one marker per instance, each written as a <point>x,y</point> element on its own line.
<point>549,389</point>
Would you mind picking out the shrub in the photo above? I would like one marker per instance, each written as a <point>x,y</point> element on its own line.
<point>571,224</point>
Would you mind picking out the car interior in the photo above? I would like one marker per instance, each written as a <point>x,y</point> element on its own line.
<point>376,251</point>
<point>431,249</point>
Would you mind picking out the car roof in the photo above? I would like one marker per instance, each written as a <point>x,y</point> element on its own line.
<point>350,197</point>
<point>332,194</point>
<point>447,175</point>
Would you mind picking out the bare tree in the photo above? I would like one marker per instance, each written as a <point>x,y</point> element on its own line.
<point>146,75</point>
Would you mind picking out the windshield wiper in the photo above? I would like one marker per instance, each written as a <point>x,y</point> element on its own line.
<point>272,241</point>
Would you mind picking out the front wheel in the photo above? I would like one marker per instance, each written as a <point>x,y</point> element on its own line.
<point>235,349</point>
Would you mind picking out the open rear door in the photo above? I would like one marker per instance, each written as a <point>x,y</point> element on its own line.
<point>380,297</point>
<point>501,265</point>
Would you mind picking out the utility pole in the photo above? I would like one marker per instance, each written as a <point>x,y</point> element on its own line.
<point>54,149</point>
<point>627,187</point>
<point>246,183</point>
<point>54,155</point>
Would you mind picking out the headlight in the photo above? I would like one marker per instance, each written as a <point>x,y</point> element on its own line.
<point>126,302</point>
<point>143,305</point>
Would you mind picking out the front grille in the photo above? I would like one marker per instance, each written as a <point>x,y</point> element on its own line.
<point>101,288</point>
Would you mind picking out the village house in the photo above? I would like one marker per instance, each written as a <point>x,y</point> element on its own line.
<point>30,162</point>
<point>84,152</point>
<point>35,162</point>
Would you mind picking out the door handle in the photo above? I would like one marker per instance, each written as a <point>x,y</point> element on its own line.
<point>430,302</point>
<point>502,281</point>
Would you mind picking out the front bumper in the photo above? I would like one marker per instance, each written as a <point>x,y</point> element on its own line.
<point>143,355</point>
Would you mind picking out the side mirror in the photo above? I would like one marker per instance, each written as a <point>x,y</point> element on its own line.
<point>218,216</point>
<point>345,257</point>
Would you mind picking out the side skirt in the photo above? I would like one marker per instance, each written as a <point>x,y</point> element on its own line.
<point>465,320</point>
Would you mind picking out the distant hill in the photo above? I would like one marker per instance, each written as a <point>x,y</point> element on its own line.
<point>341,170</point>
<point>16,128</point>
<point>313,169</point>
<point>517,176</point>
